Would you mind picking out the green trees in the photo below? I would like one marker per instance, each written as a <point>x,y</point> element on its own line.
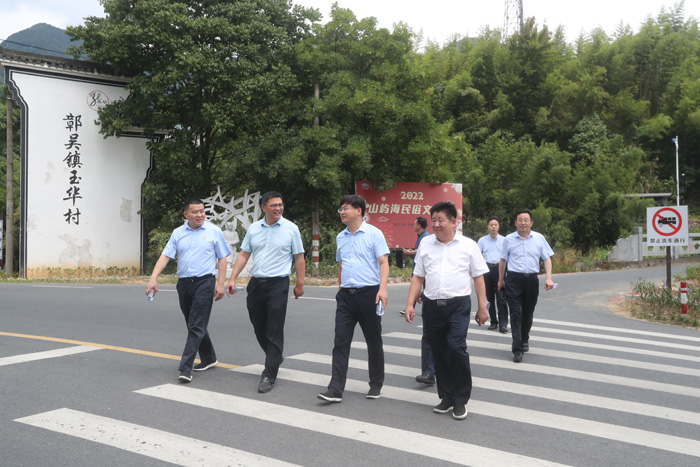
<point>372,119</point>
<point>207,73</point>
<point>529,122</point>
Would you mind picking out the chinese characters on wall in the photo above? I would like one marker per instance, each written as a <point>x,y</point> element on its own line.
<point>74,164</point>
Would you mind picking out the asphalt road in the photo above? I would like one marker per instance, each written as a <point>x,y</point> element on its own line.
<point>88,376</point>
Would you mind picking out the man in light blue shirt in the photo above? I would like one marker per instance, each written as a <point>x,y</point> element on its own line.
<point>274,243</point>
<point>201,250</point>
<point>491,246</point>
<point>521,254</point>
<point>363,273</point>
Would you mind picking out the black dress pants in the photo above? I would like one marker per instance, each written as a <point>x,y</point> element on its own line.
<point>196,296</point>
<point>522,291</point>
<point>357,306</point>
<point>498,311</point>
<point>446,328</point>
<point>267,309</point>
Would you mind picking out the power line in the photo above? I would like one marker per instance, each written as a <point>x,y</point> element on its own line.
<point>34,47</point>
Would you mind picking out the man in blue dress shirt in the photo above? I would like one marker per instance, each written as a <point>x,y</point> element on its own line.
<point>491,246</point>
<point>363,273</point>
<point>521,254</point>
<point>201,250</point>
<point>274,243</point>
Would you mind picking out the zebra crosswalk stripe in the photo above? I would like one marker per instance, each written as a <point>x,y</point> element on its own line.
<point>149,442</point>
<point>608,403</point>
<point>560,372</point>
<point>388,437</point>
<point>516,414</point>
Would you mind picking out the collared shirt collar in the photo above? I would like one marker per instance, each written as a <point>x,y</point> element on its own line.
<point>360,228</point>
<point>453,239</point>
<point>187,226</point>
<point>265,224</point>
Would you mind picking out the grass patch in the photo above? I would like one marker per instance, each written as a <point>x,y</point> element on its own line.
<point>656,302</point>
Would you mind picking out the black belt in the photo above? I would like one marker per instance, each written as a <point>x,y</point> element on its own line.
<point>356,290</point>
<point>446,301</point>
<point>268,279</point>
<point>522,274</point>
<point>196,279</point>
<point>492,264</point>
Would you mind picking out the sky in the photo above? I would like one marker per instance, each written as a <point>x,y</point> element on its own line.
<point>438,19</point>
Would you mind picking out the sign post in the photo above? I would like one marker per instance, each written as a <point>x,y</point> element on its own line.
<point>668,226</point>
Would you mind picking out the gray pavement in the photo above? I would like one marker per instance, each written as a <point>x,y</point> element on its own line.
<point>88,375</point>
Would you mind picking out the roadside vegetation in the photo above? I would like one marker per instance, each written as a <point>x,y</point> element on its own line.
<point>657,302</point>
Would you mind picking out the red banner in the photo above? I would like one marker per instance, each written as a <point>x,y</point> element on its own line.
<point>394,211</point>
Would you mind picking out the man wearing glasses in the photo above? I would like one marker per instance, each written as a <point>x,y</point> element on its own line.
<point>274,243</point>
<point>521,253</point>
<point>363,272</point>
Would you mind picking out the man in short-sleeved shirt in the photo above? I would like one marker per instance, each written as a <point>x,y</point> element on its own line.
<point>201,250</point>
<point>273,242</point>
<point>521,254</point>
<point>447,262</point>
<point>491,246</point>
<point>363,273</point>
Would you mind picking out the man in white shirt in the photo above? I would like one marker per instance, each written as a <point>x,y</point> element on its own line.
<point>447,262</point>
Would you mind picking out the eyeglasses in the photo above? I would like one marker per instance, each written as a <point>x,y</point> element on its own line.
<point>346,208</point>
<point>522,221</point>
<point>275,206</point>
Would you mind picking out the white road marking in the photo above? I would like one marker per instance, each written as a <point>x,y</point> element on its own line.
<point>624,434</point>
<point>608,403</point>
<point>557,371</point>
<point>149,442</point>
<point>682,370</point>
<point>31,357</point>
<point>384,436</point>
<point>656,335</point>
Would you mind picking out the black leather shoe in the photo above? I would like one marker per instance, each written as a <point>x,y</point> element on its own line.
<point>265,385</point>
<point>493,326</point>
<point>518,357</point>
<point>425,378</point>
<point>526,346</point>
<point>503,329</point>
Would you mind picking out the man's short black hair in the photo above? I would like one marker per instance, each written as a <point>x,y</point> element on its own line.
<point>494,218</point>
<point>268,196</point>
<point>190,202</point>
<point>423,222</point>
<point>448,207</point>
<point>523,211</point>
<point>356,201</point>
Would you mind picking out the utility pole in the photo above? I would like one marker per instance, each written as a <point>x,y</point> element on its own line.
<point>9,225</point>
<point>513,18</point>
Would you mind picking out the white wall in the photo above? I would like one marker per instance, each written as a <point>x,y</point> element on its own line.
<point>108,231</point>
